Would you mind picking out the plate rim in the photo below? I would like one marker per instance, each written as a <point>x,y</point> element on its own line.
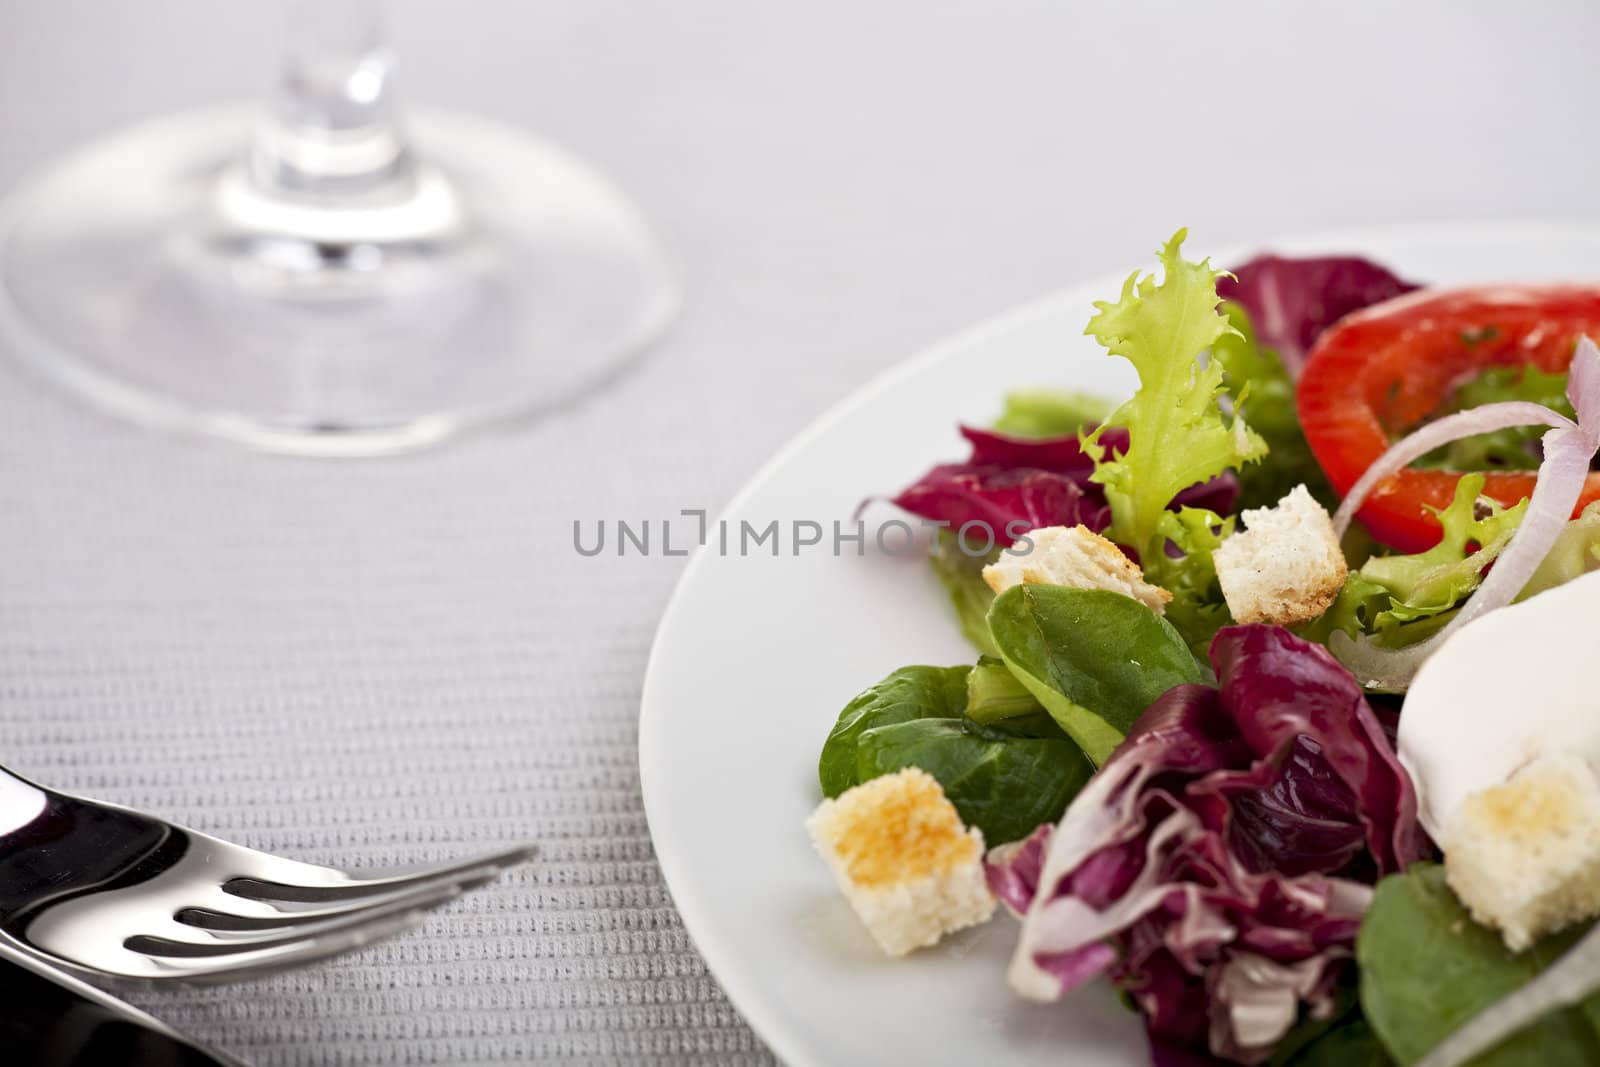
<point>698,920</point>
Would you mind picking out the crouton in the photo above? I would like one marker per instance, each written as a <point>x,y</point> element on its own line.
<point>1078,558</point>
<point>901,856</point>
<point>1524,856</point>
<point>1285,566</point>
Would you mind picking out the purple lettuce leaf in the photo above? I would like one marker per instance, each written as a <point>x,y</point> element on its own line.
<point>1011,485</point>
<point>1218,866</point>
<point>1013,870</point>
<point>1291,301</point>
<point>1298,706</point>
<point>1058,455</point>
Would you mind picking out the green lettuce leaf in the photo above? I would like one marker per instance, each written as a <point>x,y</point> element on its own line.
<point>1289,461</point>
<point>1005,778</point>
<point>1095,659</point>
<point>1178,434</point>
<point>1050,413</point>
<point>962,577</point>
<point>1197,609</point>
<point>1342,1039</point>
<point>1575,553</point>
<point>1513,448</point>
<point>1399,600</point>
<point>1427,967</point>
<point>1348,1044</point>
<point>995,694</point>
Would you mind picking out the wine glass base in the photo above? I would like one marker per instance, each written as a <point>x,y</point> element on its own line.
<point>118,282</point>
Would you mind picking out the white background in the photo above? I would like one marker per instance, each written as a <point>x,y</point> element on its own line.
<point>390,662</point>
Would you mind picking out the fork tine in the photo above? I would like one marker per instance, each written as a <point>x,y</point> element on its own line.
<point>251,962</point>
<point>229,925</point>
<point>191,942</point>
<point>320,885</point>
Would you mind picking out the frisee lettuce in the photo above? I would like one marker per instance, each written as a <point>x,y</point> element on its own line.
<point>1514,448</point>
<point>1177,434</point>
<point>1197,609</point>
<point>1399,600</point>
<point>1575,553</point>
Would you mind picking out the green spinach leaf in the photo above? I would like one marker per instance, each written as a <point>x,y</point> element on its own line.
<point>1094,659</point>
<point>909,693</point>
<point>1005,779</point>
<point>1346,1044</point>
<point>1427,967</point>
<point>1004,785</point>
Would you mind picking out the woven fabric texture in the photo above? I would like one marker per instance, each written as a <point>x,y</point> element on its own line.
<point>404,661</point>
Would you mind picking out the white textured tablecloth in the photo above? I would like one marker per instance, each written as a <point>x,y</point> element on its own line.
<point>403,661</point>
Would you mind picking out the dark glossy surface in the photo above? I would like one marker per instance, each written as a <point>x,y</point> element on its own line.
<point>69,849</point>
<point>46,1024</point>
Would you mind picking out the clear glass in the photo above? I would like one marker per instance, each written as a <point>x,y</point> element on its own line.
<point>325,279</point>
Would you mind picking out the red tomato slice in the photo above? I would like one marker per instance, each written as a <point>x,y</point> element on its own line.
<point>1383,370</point>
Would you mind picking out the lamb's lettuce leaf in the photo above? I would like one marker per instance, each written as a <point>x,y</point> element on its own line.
<point>1178,435</point>
<point>1095,659</point>
<point>1348,1044</point>
<point>994,694</point>
<point>1004,778</point>
<point>1340,1039</point>
<point>1427,967</point>
<point>960,571</point>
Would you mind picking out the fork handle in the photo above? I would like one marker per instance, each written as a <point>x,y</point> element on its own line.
<point>21,801</point>
<point>53,847</point>
<point>48,1017</point>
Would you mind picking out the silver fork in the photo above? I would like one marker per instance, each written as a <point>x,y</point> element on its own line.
<point>103,889</point>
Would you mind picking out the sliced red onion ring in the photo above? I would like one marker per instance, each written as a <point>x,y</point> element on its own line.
<point>1568,450</point>
<point>1484,419</point>
<point>1564,983</point>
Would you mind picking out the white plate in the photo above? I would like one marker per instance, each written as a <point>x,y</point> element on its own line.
<point>756,655</point>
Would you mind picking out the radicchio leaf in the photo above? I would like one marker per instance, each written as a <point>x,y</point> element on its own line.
<point>1218,866</point>
<point>1292,300</point>
<point>1010,485</point>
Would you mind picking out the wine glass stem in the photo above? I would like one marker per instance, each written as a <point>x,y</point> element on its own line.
<point>332,134</point>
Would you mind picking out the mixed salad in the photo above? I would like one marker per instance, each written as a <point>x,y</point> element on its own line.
<point>1277,717</point>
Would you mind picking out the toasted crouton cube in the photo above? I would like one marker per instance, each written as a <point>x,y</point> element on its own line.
<point>900,854</point>
<point>1524,856</point>
<point>1078,558</point>
<point>1285,566</point>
